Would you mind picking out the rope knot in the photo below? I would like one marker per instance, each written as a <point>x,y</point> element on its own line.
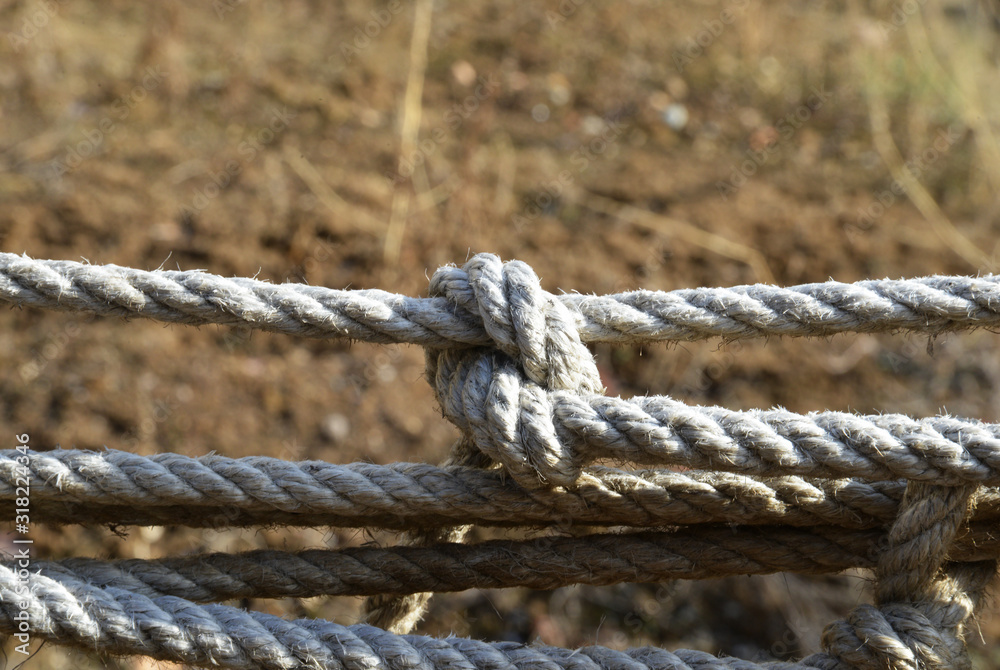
<point>923,601</point>
<point>500,395</point>
<point>897,636</point>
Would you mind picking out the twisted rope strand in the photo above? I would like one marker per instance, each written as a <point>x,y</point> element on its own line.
<point>530,326</point>
<point>68,611</point>
<point>400,614</point>
<point>929,304</point>
<point>922,610</point>
<point>73,486</point>
<point>510,369</point>
<point>545,436</point>
<point>542,563</point>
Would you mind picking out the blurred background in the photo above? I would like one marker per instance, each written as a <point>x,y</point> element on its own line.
<point>613,146</point>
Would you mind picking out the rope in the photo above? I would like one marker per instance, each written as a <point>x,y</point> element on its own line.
<point>928,305</point>
<point>510,369</point>
<point>542,563</point>
<point>539,425</point>
<point>532,402</point>
<point>544,435</point>
<point>71,486</point>
<point>117,621</point>
<point>399,614</point>
<point>922,604</point>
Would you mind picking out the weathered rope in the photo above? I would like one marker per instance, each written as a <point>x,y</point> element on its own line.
<point>509,367</point>
<point>541,424</point>
<point>531,327</point>
<point>533,402</point>
<point>921,604</point>
<point>929,305</point>
<point>542,563</point>
<point>116,621</point>
<point>550,435</point>
<point>72,486</point>
<point>400,613</point>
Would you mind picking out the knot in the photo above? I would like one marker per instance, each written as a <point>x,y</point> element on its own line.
<point>524,321</point>
<point>897,636</point>
<point>923,602</point>
<point>499,396</point>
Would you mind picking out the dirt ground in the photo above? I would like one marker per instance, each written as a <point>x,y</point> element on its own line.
<point>649,144</point>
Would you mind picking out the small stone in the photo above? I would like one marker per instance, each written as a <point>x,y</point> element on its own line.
<point>335,428</point>
<point>676,116</point>
<point>560,90</point>
<point>593,124</point>
<point>463,72</point>
<point>540,113</point>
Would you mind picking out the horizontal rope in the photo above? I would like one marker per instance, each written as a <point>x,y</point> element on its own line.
<point>928,304</point>
<point>68,611</point>
<point>549,435</point>
<point>531,401</point>
<point>74,486</point>
<point>660,430</point>
<point>541,563</point>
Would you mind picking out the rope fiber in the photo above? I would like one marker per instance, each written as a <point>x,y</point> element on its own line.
<point>760,491</point>
<point>543,563</point>
<point>114,487</point>
<point>928,304</point>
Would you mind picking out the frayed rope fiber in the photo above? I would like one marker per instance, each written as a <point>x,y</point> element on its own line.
<point>112,486</point>
<point>928,304</point>
<point>546,563</point>
<point>913,499</point>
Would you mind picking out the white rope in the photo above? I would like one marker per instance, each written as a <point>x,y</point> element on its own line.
<point>544,436</point>
<point>71,486</point>
<point>534,408</point>
<point>508,364</point>
<point>929,304</point>
<point>69,611</point>
<point>220,491</point>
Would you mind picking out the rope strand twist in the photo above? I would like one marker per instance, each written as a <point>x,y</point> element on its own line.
<point>498,396</point>
<point>922,603</point>
<point>510,368</point>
